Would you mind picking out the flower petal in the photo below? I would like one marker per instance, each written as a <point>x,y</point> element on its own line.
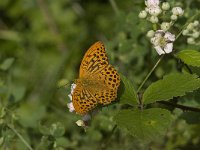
<point>159,50</point>
<point>71,107</point>
<point>70,97</point>
<point>80,123</point>
<point>170,37</point>
<point>168,48</point>
<point>150,3</point>
<point>73,86</point>
<point>155,10</point>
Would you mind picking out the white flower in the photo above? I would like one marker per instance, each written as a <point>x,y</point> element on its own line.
<point>73,86</point>
<point>70,105</point>
<point>177,11</point>
<point>163,42</point>
<point>153,7</point>
<point>154,11</point>
<point>152,3</point>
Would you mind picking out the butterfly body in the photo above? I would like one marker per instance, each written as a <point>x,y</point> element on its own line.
<point>98,81</point>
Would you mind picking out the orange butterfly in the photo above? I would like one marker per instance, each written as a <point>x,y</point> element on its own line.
<point>98,81</point>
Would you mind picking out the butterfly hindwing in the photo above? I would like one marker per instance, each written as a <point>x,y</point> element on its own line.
<point>83,100</point>
<point>111,79</point>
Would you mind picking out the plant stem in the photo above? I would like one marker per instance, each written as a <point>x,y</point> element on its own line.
<point>20,136</point>
<point>107,140</point>
<point>51,23</point>
<point>114,6</point>
<point>150,73</point>
<point>182,107</point>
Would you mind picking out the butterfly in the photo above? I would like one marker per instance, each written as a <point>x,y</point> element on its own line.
<point>98,81</point>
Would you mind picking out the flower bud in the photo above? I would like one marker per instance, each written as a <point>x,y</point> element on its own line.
<point>177,11</point>
<point>165,6</point>
<point>165,26</point>
<point>174,17</point>
<point>150,33</point>
<point>154,11</point>
<point>195,34</point>
<point>190,26</point>
<point>154,19</point>
<point>142,14</point>
<point>190,40</point>
<point>185,32</point>
<point>196,23</point>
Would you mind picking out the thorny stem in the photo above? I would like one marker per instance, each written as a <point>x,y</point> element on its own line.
<point>154,67</point>
<point>20,137</point>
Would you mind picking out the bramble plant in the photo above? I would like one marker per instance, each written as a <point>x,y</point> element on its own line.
<point>153,45</point>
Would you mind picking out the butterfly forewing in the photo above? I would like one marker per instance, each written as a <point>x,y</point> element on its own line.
<point>94,60</point>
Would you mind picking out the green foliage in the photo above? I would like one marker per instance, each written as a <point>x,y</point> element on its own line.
<point>170,86</point>
<point>129,95</point>
<point>190,57</point>
<point>41,46</point>
<point>6,64</point>
<point>146,124</point>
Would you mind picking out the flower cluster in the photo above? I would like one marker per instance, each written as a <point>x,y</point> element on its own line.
<point>153,10</point>
<point>70,104</point>
<point>192,31</point>
<point>160,37</point>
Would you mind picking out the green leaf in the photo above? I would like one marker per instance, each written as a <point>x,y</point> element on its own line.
<point>191,117</point>
<point>1,140</point>
<point>43,129</point>
<point>7,64</point>
<point>57,129</point>
<point>147,124</point>
<point>129,95</point>
<point>2,112</point>
<point>170,86</point>
<point>10,35</point>
<point>30,113</point>
<point>190,57</point>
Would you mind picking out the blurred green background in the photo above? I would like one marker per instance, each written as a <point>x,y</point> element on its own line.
<point>42,43</point>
